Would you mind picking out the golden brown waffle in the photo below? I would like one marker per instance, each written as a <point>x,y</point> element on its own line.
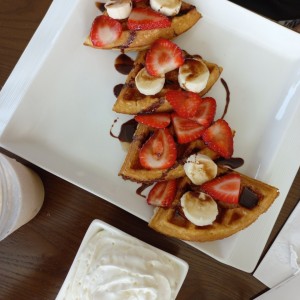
<point>132,169</point>
<point>142,39</point>
<point>131,101</point>
<point>171,221</point>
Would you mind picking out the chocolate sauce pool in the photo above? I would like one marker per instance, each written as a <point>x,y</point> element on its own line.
<point>124,64</point>
<point>117,89</point>
<point>127,130</point>
<point>233,162</point>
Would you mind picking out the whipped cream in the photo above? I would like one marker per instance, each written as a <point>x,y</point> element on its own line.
<point>113,266</point>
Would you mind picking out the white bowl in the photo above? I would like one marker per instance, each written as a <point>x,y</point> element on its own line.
<point>109,261</point>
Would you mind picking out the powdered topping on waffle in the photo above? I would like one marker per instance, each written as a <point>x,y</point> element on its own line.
<point>141,23</point>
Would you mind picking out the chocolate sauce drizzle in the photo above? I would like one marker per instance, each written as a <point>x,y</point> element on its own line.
<point>130,39</point>
<point>227,97</point>
<point>142,187</point>
<point>100,6</point>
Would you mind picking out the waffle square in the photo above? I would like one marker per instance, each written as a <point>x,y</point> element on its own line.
<point>131,101</point>
<point>139,40</point>
<point>132,169</point>
<point>230,220</point>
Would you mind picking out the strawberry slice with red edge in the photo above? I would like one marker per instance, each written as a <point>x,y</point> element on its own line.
<point>186,130</point>
<point>159,151</point>
<point>162,57</point>
<point>184,103</point>
<point>145,18</point>
<point>156,120</point>
<point>105,30</point>
<point>219,138</point>
<point>163,193</point>
<point>206,111</point>
<point>225,188</point>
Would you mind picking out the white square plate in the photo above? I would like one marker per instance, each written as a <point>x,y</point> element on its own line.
<point>56,107</point>
<point>104,248</point>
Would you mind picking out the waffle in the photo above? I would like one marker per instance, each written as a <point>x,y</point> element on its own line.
<point>171,221</point>
<point>131,101</point>
<point>142,39</point>
<point>132,169</point>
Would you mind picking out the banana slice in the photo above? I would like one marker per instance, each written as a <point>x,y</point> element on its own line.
<point>200,168</point>
<point>166,7</point>
<point>118,9</point>
<point>193,75</point>
<point>148,84</point>
<point>199,208</point>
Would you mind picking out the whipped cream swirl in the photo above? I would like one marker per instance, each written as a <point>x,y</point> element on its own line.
<point>111,267</point>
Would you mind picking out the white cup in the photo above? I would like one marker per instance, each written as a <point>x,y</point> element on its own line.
<point>21,195</point>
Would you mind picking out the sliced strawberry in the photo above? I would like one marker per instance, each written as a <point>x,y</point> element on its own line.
<point>159,151</point>
<point>162,57</point>
<point>225,188</point>
<point>163,193</point>
<point>105,30</point>
<point>186,130</point>
<point>206,111</point>
<point>156,120</point>
<point>145,18</point>
<point>219,138</point>
<point>184,103</point>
